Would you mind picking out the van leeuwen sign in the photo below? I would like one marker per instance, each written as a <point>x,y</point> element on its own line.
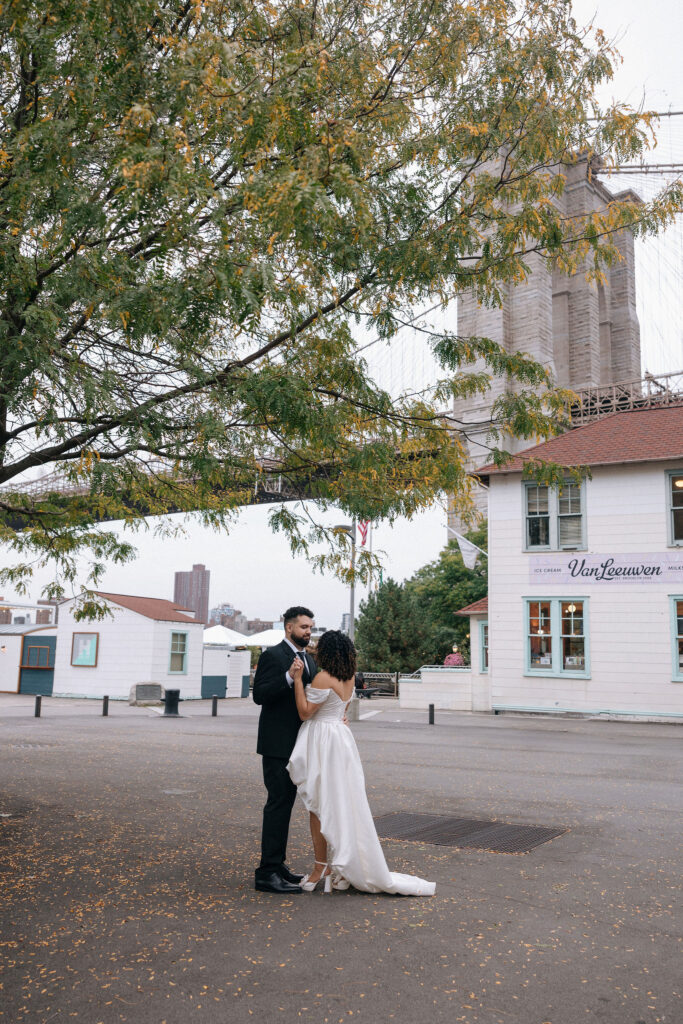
<point>572,567</point>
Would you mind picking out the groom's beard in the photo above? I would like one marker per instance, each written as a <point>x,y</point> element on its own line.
<point>301,641</point>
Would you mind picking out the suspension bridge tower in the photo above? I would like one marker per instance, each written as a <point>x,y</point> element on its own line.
<point>587,334</point>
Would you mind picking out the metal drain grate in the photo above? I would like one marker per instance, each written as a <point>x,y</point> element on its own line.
<point>495,836</point>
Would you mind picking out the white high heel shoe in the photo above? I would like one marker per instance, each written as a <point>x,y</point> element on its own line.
<point>339,882</point>
<point>325,878</point>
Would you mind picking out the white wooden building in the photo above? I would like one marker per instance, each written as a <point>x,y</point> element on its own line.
<point>145,640</point>
<point>27,654</point>
<point>585,605</point>
<point>586,584</point>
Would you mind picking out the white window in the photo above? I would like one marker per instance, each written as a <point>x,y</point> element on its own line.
<point>540,639</point>
<point>537,517</point>
<point>677,622</point>
<point>557,641</point>
<point>569,519</point>
<point>554,518</point>
<point>675,507</point>
<point>484,646</point>
<point>178,660</point>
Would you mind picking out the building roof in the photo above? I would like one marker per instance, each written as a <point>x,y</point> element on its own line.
<point>222,635</point>
<point>19,628</point>
<point>476,608</point>
<point>640,435</point>
<point>151,607</point>
<point>267,638</point>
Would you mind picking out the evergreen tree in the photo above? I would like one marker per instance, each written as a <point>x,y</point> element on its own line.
<point>388,630</point>
<point>440,589</point>
<point>404,626</point>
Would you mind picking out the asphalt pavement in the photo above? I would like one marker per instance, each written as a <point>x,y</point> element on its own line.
<point>128,844</point>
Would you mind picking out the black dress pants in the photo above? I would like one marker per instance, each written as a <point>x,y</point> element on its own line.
<point>276,813</point>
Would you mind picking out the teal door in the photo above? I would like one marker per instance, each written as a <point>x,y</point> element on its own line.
<point>37,671</point>
<point>214,686</point>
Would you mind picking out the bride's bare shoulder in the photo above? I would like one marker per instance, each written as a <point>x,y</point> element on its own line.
<point>324,681</point>
<point>342,687</point>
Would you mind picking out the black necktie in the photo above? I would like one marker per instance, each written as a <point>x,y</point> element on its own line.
<point>302,655</point>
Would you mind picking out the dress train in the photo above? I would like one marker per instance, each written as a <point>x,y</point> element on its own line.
<point>326,768</point>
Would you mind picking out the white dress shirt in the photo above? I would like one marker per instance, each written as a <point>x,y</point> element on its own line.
<point>301,655</point>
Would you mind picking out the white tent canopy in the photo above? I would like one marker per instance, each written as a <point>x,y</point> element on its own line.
<point>223,635</point>
<point>268,638</point>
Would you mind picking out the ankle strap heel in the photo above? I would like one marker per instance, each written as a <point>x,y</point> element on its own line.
<point>309,886</point>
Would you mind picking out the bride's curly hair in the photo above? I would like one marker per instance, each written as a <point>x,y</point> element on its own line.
<point>336,655</point>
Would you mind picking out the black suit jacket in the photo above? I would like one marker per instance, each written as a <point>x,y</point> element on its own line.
<point>279,720</point>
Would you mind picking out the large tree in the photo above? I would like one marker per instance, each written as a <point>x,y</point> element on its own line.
<point>202,202</point>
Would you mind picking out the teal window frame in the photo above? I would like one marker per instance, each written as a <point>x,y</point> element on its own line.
<point>177,671</point>
<point>555,669</point>
<point>676,673</point>
<point>484,646</point>
<point>87,658</point>
<point>554,516</point>
<point>672,541</point>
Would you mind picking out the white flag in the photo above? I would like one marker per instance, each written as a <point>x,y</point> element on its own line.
<point>468,550</point>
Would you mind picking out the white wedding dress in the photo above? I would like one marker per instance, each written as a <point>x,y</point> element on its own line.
<point>326,768</point>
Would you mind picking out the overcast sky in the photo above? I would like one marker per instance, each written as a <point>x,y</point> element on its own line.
<point>251,567</point>
<point>648,35</point>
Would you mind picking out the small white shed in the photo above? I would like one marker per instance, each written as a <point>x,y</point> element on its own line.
<point>225,672</point>
<point>144,640</point>
<point>27,658</point>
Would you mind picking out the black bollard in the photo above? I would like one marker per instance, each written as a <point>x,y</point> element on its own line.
<point>171,699</point>
<point>431,714</point>
<point>39,700</point>
<point>214,706</point>
<point>105,707</point>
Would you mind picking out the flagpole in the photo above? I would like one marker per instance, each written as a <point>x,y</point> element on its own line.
<point>370,550</point>
<point>352,623</point>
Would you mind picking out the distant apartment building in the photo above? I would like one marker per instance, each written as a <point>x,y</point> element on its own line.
<point>259,625</point>
<point>47,613</point>
<point>42,613</point>
<point>227,615</point>
<point>236,621</point>
<point>346,622</point>
<point>191,590</point>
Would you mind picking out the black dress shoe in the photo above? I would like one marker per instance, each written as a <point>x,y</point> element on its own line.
<point>274,882</point>
<point>288,875</point>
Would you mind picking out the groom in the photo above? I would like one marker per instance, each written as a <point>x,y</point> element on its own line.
<point>278,726</point>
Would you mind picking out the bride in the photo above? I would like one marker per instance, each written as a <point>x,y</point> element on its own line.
<point>326,768</point>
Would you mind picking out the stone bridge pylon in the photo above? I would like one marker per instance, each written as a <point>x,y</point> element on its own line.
<point>586,333</point>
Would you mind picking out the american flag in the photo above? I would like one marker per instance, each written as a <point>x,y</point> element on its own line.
<point>363,528</point>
